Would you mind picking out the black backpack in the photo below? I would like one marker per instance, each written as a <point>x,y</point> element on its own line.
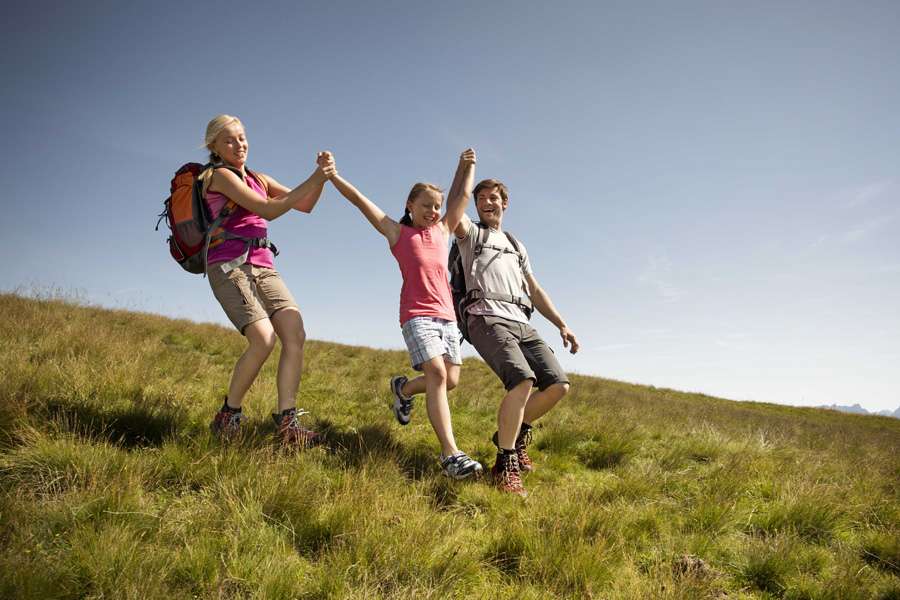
<point>463,298</point>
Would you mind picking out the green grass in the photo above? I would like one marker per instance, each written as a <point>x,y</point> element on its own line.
<point>112,486</point>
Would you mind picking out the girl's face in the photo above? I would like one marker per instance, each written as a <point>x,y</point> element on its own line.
<point>231,145</point>
<point>425,208</point>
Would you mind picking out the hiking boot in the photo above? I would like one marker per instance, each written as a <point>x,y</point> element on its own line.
<point>506,476</point>
<point>291,432</point>
<point>459,466</point>
<point>522,442</point>
<point>402,405</point>
<point>226,424</point>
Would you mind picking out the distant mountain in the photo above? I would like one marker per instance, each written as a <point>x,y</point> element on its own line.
<point>859,410</point>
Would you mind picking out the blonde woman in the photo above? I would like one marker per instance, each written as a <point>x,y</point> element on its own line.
<point>243,278</point>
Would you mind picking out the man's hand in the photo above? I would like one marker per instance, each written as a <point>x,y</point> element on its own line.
<point>569,338</point>
<point>325,162</point>
<point>467,157</point>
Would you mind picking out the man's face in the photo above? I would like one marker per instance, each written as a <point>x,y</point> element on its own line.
<point>490,206</point>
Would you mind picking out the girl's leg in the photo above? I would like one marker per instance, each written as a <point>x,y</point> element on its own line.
<point>452,374</point>
<point>288,325</point>
<point>261,339</point>
<point>436,403</point>
<point>417,385</point>
<point>413,387</point>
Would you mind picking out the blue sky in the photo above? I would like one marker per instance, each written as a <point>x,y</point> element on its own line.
<point>710,191</point>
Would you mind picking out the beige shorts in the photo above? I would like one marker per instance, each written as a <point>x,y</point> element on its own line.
<point>249,293</point>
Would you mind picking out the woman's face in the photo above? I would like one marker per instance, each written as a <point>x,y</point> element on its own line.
<point>425,208</point>
<point>231,145</point>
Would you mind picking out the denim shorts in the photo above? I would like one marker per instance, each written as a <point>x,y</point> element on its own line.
<point>428,337</point>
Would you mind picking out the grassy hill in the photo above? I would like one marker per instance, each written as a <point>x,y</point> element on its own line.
<point>112,487</point>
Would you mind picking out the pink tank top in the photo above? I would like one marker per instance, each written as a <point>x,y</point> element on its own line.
<point>244,223</point>
<point>422,256</point>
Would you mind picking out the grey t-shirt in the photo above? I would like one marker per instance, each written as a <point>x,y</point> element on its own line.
<point>496,271</point>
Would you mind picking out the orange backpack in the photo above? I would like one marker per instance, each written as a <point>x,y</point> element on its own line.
<point>193,230</point>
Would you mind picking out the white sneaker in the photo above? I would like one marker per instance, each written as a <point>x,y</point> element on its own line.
<point>460,466</point>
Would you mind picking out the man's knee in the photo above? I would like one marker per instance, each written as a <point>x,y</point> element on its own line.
<point>521,391</point>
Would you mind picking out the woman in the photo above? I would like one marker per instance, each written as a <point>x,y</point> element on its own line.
<point>243,278</point>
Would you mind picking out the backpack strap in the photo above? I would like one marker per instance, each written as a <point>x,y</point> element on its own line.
<point>475,294</point>
<point>515,244</point>
<point>483,232</point>
<point>224,214</point>
<point>260,179</point>
<point>523,301</point>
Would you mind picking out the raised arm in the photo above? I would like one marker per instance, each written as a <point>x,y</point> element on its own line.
<point>460,190</point>
<point>226,182</point>
<point>307,201</point>
<point>544,305</point>
<point>386,226</point>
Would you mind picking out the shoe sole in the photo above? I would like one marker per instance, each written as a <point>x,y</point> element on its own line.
<point>473,474</point>
<point>395,407</point>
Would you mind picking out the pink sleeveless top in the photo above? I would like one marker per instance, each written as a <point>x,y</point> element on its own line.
<point>244,223</point>
<point>422,256</point>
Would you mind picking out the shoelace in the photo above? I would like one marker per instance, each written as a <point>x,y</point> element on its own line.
<point>524,439</point>
<point>511,477</point>
<point>462,459</point>
<point>294,423</point>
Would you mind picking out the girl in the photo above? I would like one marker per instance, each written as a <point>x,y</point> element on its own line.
<point>243,278</point>
<point>419,242</point>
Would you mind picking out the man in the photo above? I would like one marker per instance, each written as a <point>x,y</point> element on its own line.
<point>502,289</point>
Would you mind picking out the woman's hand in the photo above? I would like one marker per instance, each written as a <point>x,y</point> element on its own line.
<point>467,157</point>
<point>325,162</point>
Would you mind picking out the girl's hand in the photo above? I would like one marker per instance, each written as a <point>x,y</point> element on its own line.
<point>467,157</point>
<point>325,162</point>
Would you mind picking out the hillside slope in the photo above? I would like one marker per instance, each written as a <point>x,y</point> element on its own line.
<point>111,485</point>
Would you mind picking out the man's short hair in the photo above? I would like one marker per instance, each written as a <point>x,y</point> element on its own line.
<point>491,184</point>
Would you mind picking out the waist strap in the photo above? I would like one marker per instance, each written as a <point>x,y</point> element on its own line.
<point>522,301</point>
<point>262,242</point>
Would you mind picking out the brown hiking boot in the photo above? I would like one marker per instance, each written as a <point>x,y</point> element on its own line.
<point>522,441</point>
<point>505,475</point>
<point>226,425</point>
<point>291,432</point>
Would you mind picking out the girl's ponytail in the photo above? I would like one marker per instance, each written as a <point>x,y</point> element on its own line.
<point>407,219</point>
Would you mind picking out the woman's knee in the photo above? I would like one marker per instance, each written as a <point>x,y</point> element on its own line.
<point>289,327</point>
<point>261,337</point>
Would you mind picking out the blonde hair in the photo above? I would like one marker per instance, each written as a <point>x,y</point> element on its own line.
<point>415,191</point>
<point>216,125</point>
<point>214,128</point>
